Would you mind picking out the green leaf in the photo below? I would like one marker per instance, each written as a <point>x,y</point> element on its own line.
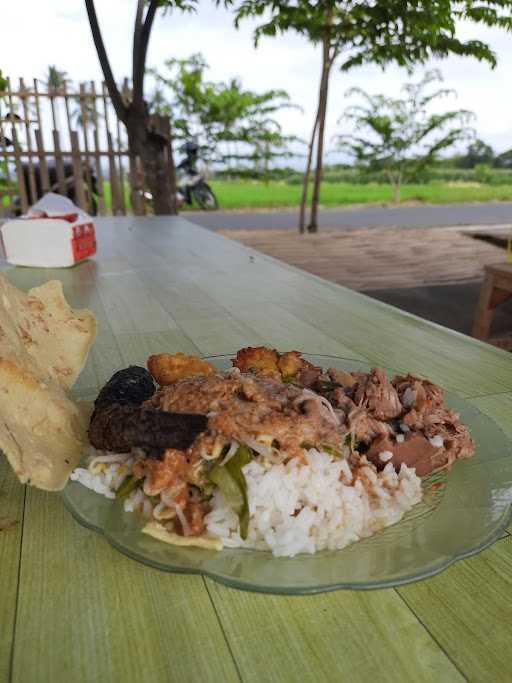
<point>128,485</point>
<point>335,452</point>
<point>231,482</point>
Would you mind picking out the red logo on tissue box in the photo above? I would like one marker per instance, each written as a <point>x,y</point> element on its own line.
<point>83,242</point>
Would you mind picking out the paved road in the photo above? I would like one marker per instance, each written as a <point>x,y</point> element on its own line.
<point>421,216</point>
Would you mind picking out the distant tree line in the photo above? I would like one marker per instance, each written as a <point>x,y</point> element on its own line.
<point>480,153</point>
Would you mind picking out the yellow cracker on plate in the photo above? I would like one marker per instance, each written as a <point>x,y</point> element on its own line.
<point>159,532</point>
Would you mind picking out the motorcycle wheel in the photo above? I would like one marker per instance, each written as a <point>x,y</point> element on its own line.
<point>203,194</point>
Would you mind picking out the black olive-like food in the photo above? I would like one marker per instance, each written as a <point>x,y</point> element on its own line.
<point>131,386</point>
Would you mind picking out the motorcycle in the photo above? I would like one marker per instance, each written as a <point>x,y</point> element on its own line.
<point>192,183</point>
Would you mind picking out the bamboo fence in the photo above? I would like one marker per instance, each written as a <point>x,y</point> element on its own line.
<point>48,135</point>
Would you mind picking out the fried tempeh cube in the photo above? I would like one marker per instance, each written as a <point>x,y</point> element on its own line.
<point>258,359</point>
<point>168,368</point>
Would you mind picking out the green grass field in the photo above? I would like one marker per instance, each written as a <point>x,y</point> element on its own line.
<point>246,194</point>
<point>254,194</point>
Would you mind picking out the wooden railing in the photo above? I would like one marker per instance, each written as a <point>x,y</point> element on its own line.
<point>68,141</point>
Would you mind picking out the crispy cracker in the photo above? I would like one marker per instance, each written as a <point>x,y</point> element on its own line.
<point>159,532</point>
<point>43,347</point>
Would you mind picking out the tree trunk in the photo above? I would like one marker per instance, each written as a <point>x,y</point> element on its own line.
<point>322,110</point>
<point>154,150</point>
<point>397,186</point>
<point>149,137</point>
<point>305,180</point>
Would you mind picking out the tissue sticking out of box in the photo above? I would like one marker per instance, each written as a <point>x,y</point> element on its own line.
<point>53,234</point>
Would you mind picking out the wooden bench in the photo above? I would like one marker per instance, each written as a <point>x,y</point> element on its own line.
<point>496,288</point>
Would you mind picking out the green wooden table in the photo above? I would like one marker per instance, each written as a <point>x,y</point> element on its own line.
<point>74,609</point>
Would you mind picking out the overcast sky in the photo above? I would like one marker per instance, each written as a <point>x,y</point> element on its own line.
<point>35,33</point>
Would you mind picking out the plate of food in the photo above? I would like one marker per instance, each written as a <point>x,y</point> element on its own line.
<point>274,471</point>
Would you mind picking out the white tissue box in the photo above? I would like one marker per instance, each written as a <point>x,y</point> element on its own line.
<point>48,242</point>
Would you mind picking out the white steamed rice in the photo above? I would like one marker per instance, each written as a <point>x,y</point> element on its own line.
<point>297,507</point>
<point>303,508</point>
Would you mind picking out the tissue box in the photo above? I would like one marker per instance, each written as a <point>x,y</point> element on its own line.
<point>48,242</point>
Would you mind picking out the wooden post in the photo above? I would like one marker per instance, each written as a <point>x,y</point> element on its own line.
<point>80,196</point>
<point>121,169</point>
<point>22,189</point>
<point>23,95</point>
<point>496,289</point>
<point>59,164</point>
<point>97,158</point>
<point>43,167</point>
<point>85,123</point>
<point>117,202</point>
<point>66,96</point>
<point>6,158</point>
<point>51,95</point>
<point>135,172</point>
<point>114,180</point>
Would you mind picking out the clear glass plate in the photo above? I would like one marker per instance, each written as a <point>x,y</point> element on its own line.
<point>462,512</point>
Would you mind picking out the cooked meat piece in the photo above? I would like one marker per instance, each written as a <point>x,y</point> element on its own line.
<point>120,428</point>
<point>131,386</point>
<point>415,451</point>
<point>416,392</point>
<point>286,366</point>
<point>339,399</point>
<point>457,440</point>
<point>308,376</point>
<point>164,474</point>
<point>364,427</point>
<point>168,368</point>
<point>254,406</point>
<point>258,359</point>
<point>344,379</point>
<point>296,368</point>
<point>291,431</point>
<point>422,452</point>
<point>290,363</point>
<point>197,394</point>
<point>428,417</point>
<point>268,391</point>
<point>376,393</point>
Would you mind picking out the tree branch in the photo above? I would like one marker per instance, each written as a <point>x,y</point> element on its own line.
<point>140,68</point>
<point>114,93</point>
<point>137,30</point>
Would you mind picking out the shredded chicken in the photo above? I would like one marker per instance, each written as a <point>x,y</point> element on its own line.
<point>376,393</point>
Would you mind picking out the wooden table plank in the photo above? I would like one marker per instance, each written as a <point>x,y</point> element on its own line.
<point>347,635</point>
<point>468,609</point>
<point>87,613</point>
<point>12,497</point>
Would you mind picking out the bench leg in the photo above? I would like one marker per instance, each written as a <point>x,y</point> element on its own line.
<point>484,312</point>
